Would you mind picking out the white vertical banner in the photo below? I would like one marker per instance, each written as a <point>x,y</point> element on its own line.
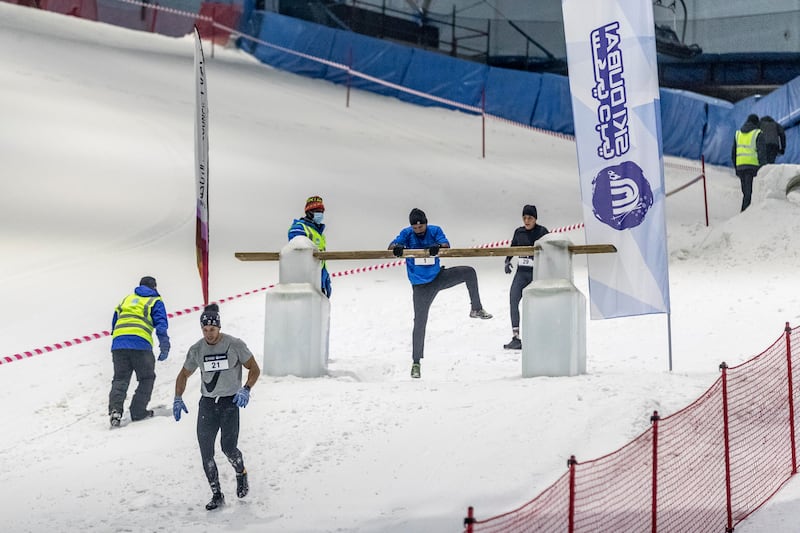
<point>201,163</point>
<point>613,78</point>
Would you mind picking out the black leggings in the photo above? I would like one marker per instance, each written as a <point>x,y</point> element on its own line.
<point>425,293</point>
<point>522,279</point>
<point>218,415</point>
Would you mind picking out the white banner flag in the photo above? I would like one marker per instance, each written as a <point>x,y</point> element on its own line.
<point>613,78</point>
<point>201,163</point>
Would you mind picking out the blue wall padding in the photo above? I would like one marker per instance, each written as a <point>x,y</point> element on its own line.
<point>512,94</point>
<point>296,35</point>
<point>444,76</point>
<point>682,121</point>
<point>692,124</point>
<point>553,109</point>
<point>382,59</point>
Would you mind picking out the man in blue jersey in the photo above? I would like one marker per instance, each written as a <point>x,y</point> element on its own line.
<point>428,277</point>
<point>135,319</point>
<point>311,226</point>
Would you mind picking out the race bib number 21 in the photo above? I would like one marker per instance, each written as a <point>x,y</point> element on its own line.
<point>215,363</point>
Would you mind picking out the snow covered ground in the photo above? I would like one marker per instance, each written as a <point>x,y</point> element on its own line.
<point>96,145</point>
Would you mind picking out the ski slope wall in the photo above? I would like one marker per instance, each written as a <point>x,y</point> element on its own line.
<point>693,125</point>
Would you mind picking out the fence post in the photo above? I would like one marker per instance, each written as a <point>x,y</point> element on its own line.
<point>729,525</point>
<point>571,463</point>
<point>705,194</point>
<point>654,498</point>
<point>788,331</point>
<point>469,520</point>
<point>483,122</point>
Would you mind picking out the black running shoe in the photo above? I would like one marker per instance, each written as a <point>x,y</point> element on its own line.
<point>217,500</point>
<point>116,418</point>
<point>147,414</point>
<point>515,344</point>
<point>242,487</point>
<point>415,370</point>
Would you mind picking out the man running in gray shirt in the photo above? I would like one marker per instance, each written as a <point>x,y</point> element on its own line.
<point>220,359</point>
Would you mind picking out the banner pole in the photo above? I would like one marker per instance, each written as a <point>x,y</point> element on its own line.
<point>669,338</point>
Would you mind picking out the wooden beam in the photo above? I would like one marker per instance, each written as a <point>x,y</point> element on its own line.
<point>443,252</point>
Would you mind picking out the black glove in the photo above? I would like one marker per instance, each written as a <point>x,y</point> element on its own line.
<point>434,250</point>
<point>508,266</point>
<point>398,250</point>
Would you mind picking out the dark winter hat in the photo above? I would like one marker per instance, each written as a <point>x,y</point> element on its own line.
<point>314,203</point>
<point>210,316</point>
<point>148,281</point>
<point>752,118</point>
<point>417,216</point>
<point>530,210</point>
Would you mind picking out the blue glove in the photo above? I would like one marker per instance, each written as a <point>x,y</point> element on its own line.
<point>434,250</point>
<point>326,287</point>
<point>242,397</point>
<point>163,355</point>
<point>177,407</point>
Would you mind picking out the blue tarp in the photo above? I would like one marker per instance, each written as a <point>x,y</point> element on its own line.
<point>444,76</point>
<point>553,110</point>
<point>512,94</point>
<point>692,124</point>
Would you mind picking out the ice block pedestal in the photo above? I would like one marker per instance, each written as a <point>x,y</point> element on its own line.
<point>553,315</point>
<point>297,327</point>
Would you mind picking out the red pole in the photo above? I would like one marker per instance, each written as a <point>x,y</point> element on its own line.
<point>654,501</point>
<point>724,368</point>
<point>788,331</point>
<point>705,194</point>
<point>571,519</point>
<point>469,520</point>
<point>349,69</point>
<point>483,122</point>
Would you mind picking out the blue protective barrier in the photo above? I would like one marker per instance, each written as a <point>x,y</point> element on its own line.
<point>381,59</point>
<point>444,76</point>
<point>692,125</point>
<point>512,94</point>
<point>553,110</point>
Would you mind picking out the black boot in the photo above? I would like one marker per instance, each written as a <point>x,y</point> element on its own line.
<point>242,487</point>
<point>217,500</point>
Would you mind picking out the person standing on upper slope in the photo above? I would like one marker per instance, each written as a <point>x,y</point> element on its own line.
<point>428,277</point>
<point>311,226</point>
<point>748,154</point>
<point>525,235</point>
<point>132,327</point>
<point>774,138</point>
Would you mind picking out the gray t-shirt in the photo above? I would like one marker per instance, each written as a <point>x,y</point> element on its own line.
<point>220,365</point>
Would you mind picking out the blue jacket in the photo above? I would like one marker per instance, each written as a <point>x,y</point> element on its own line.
<point>421,274</point>
<point>297,229</point>
<point>159,316</point>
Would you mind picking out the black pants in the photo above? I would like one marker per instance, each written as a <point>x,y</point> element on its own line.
<point>746,175</point>
<point>424,295</point>
<point>218,415</point>
<point>126,362</point>
<point>522,279</point>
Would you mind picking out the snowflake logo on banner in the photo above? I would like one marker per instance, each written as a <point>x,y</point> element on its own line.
<point>621,196</point>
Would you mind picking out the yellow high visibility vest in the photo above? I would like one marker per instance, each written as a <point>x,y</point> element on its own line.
<point>133,317</point>
<point>746,151</point>
<point>317,238</point>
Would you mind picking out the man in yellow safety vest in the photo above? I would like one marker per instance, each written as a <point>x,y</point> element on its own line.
<point>135,319</point>
<point>748,154</point>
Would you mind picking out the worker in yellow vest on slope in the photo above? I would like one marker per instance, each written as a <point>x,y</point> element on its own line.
<point>311,226</point>
<point>132,327</point>
<point>748,154</point>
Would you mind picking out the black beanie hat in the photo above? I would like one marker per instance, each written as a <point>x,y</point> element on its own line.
<point>210,316</point>
<point>148,281</point>
<point>530,210</point>
<point>417,216</point>
<point>752,119</point>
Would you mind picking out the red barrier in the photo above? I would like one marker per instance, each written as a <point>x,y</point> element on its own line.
<point>216,19</point>
<point>85,9</point>
<point>704,468</point>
